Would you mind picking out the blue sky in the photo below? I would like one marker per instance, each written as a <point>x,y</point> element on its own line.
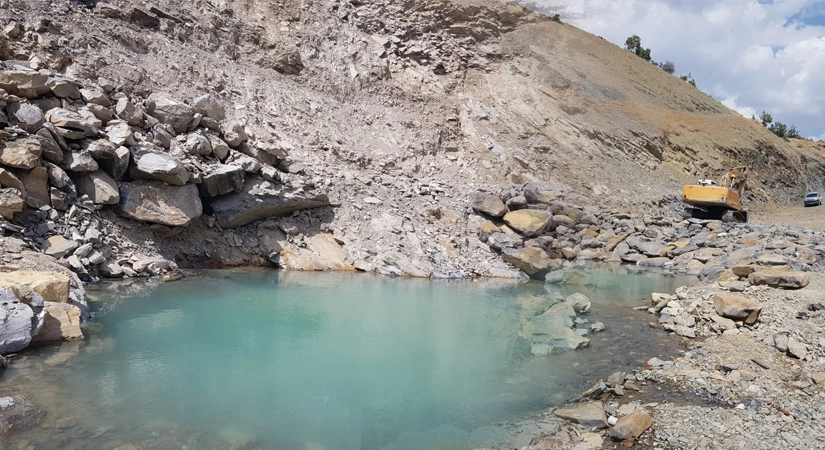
<point>750,55</point>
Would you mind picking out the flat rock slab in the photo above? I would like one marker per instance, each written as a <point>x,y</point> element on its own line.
<point>589,414</point>
<point>259,200</point>
<point>737,308</point>
<point>631,426</point>
<point>21,154</point>
<point>158,202</point>
<point>58,246</point>
<point>780,278</point>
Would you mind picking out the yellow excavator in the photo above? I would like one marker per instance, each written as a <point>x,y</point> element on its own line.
<point>723,201</point>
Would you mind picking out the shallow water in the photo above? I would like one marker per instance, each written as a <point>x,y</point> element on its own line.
<point>269,359</point>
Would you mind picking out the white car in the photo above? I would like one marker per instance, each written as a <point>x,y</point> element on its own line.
<point>813,199</point>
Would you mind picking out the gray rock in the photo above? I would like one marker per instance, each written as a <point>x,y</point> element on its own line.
<point>57,176</point>
<point>156,202</point>
<point>553,331</point>
<point>589,414</point>
<point>533,261</point>
<point>487,204</point>
<point>96,96</point>
<point>99,186</point>
<point>51,150</point>
<point>224,180</point>
<point>170,111</point>
<point>58,246</point>
<point>233,133</point>
<point>209,106</point>
<point>71,124</point>
<point>101,113</point>
<point>797,349</point>
<point>259,200</point>
<point>652,249</point>
<point>219,147</point>
<point>78,162</point>
<point>500,241</point>
<point>248,163</point>
<point>197,144</point>
<point>151,165</point>
<point>116,167</point>
<point>25,116</point>
<point>15,323</point>
<point>128,112</point>
<point>21,154</point>
<point>63,88</point>
<point>111,269</point>
<point>99,149</point>
<point>9,180</point>
<point>120,134</point>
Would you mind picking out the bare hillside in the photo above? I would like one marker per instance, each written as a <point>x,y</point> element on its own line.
<point>412,105</point>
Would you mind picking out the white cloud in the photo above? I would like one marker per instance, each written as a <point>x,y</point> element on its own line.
<point>752,56</point>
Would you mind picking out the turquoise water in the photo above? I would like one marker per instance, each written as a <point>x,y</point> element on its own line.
<point>338,361</point>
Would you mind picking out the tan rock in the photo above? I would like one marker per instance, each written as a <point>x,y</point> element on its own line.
<point>631,426</point>
<point>819,378</point>
<point>37,187</point>
<point>52,286</point>
<point>21,154</point>
<point>11,201</point>
<point>489,227</point>
<point>589,414</point>
<point>530,260</point>
<point>780,278</point>
<point>528,221</point>
<point>62,322</point>
<point>737,308</point>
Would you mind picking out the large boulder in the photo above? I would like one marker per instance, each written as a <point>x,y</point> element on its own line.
<point>61,322</point>
<point>488,204</point>
<point>529,222</point>
<point>589,414</point>
<point>99,186</point>
<point>151,165</point>
<point>543,193</point>
<point>15,323</point>
<point>71,125</point>
<point>533,261</point>
<point>21,154</point>
<point>170,111</point>
<point>63,88</point>
<point>580,303</point>
<point>52,286</point>
<point>156,202</point>
<point>25,116</point>
<point>224,180</point>
<point>24,83</point>
<point>737,308</point>
<point>258,200</point>
<point>198,144</point>
<point>780,278</point>
<point>631,426</point>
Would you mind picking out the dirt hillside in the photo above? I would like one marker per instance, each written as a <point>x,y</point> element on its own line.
<point>414,105</point>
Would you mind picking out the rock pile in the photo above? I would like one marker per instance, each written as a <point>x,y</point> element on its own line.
<point>536,230</point>
<point>68,150</point>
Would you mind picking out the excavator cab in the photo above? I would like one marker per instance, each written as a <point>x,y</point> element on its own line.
<point>722,202</point>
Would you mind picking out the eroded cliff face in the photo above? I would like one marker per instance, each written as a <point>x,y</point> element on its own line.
<point>340,135</point>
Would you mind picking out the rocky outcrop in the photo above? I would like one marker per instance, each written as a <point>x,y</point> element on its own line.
<point>259,200</point>
<point>157,202</point>
<point>52,286</point>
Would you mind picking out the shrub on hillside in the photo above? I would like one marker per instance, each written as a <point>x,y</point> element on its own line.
<point>668,67</point>
<point>634,44</point>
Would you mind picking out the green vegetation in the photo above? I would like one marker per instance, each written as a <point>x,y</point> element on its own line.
<point>689,79</point>
<point>634,44</point>
<point>777,128</point>
<point>555,18</point>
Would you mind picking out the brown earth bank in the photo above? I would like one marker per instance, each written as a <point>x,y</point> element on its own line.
<point>437,138</point>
